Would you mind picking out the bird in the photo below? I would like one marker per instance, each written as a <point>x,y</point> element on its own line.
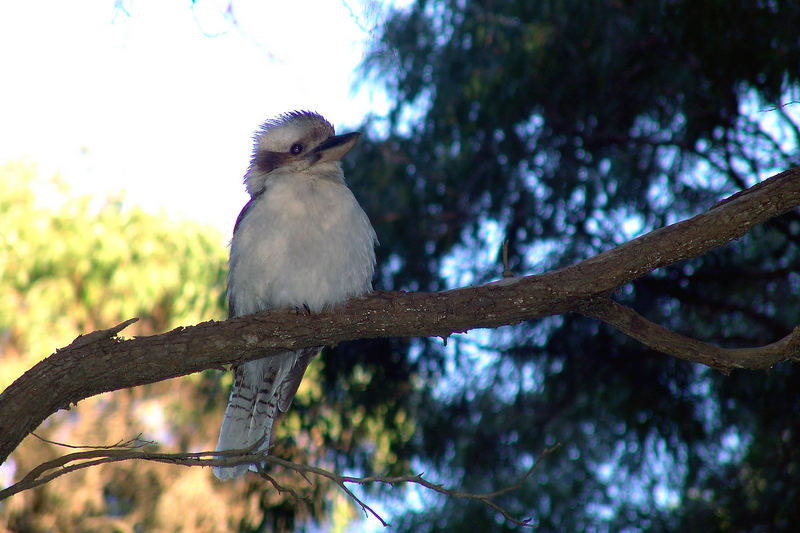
<point>302,241</point>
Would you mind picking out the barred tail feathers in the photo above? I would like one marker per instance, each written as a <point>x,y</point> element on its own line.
<point>251,408</point>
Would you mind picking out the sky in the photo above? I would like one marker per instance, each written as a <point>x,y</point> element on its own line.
<point>160,99</point>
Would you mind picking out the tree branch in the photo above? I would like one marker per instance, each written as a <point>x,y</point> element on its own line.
<point>665,341</point>
<point>131,450</point>
<point>101,362</point>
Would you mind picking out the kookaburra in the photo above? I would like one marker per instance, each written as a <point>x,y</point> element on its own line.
<point>302,241</point>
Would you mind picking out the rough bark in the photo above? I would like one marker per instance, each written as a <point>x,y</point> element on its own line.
<point>101,361</point>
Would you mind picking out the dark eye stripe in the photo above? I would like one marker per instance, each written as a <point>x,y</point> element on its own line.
<point>268,161</point>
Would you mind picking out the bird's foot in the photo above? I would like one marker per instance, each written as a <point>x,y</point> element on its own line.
<point>305,310</point>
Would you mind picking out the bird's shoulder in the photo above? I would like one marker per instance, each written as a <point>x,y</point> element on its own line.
<point>247,207</point>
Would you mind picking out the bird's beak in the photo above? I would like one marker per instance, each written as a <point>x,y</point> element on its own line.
<point>333,148</point>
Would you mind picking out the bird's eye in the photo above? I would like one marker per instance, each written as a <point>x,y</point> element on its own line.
<point>296,148</point>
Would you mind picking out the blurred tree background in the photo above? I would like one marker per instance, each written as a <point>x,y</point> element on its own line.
<point>567,127</point>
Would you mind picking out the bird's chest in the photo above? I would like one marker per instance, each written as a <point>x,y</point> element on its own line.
<point>291,221</point>
<point>297,245</point>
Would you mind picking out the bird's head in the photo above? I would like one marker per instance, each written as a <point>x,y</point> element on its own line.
<point>298,141</point>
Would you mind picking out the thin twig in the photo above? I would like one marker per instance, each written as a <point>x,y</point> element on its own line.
<point>135,442</point>
<point>507,273</point>
<point>72,462</point>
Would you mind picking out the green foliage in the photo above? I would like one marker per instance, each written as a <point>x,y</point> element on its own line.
<point>69,265</point>
<point>82,266</point>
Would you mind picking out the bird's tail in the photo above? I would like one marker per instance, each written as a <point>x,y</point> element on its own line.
<point>250,412</point>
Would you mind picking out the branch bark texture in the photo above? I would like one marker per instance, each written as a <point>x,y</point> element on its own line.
<point>101,361</point>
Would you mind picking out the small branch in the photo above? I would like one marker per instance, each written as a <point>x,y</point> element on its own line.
<point>665,341</point>
<point>277,486</point>
<point>136,442</point>
<point>130,450</point>
<point>507,273</point>
<point>102,334</point>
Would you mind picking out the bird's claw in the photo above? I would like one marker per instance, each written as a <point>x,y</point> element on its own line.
<point>303,310</point>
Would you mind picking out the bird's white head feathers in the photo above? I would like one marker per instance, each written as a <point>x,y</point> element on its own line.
<point>297,141</point>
